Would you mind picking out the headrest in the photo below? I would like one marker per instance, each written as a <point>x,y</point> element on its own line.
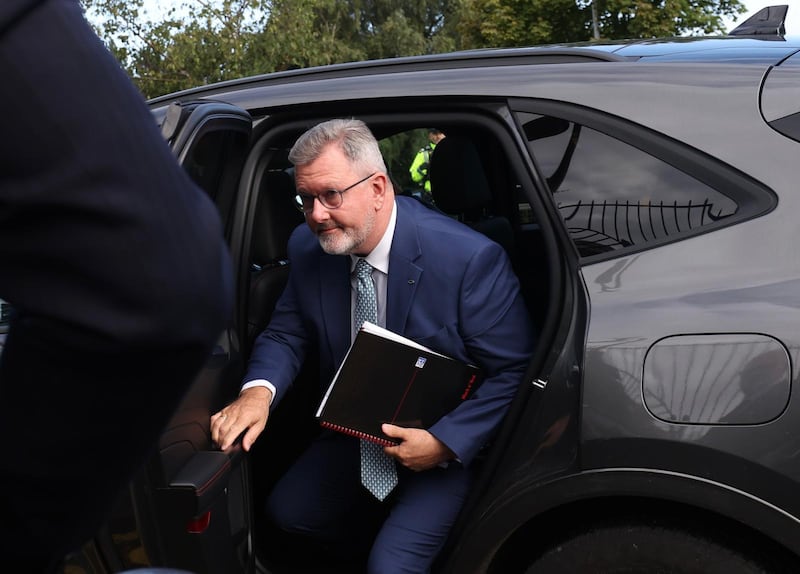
<point>275,217</point>
<point>458,182</point>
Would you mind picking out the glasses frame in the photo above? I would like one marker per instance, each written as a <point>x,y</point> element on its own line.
<point>305,201</point>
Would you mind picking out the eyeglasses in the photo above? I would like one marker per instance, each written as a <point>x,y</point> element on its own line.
<point>330,199</point>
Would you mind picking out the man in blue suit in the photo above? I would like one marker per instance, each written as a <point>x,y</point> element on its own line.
<point>437,282</point>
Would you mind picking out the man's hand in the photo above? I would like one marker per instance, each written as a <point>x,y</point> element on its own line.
<point>248,412</point>
<point>419,449</point>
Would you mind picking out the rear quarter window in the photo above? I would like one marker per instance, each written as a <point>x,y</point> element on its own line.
<point>618,196</point>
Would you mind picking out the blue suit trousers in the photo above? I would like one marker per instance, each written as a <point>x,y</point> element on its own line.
<point>321,497</point>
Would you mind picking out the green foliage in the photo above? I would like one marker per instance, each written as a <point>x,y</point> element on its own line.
<point>526,22</point>
<point>205,41</point>
<point>200,42</point>
<point>303,33</point>
<point>658,18</point>
<point>505,23</point>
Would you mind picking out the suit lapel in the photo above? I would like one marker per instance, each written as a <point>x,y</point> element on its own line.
<point>404,272</point>
<point>334,289</point>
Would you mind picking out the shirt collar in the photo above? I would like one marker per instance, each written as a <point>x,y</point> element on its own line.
<point>379,257</point>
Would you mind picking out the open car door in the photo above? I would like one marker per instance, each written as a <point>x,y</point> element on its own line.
<point>188,508</point>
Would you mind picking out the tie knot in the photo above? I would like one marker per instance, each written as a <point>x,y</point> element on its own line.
<point>363,269</point>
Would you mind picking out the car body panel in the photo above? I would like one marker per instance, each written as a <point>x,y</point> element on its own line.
<point>728,297</point>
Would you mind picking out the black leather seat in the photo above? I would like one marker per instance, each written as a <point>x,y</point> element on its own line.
<point>460,189</point>
<point>275,219</point>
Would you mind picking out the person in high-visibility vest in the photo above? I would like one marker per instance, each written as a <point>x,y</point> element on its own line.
<point>419,167</point>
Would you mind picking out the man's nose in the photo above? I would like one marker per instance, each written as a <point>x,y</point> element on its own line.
<point>318,211</point>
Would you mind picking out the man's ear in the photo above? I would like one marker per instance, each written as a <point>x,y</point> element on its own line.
<point>380,187</point>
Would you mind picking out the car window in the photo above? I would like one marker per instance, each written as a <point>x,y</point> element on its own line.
<point>399,151</point>
<point>614,196</point>
<point>5,317</point>
<point>5,314</point>
<point>214,163</point>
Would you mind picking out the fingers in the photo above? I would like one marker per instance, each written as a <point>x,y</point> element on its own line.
<point>394,431</point>
<point>250,437</point>
<point>418,449</point>
<point>244,414</point>
<point>227,427</point>
<point>222,427</point>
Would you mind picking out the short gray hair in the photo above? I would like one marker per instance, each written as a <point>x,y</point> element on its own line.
<point>353,136</point>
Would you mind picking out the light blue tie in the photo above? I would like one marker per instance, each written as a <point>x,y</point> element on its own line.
<point>378,472</point>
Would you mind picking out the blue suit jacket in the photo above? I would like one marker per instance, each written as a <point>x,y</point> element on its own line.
<point>449,288</point>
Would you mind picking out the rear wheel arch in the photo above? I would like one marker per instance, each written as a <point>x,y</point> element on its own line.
<point>636,532</point>
<point>528,519</point>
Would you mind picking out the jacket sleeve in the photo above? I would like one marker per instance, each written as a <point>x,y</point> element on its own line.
<point>497,335</point>
<point>419,167</point>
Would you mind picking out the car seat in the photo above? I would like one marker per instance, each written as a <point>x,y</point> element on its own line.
<point>460,189</point>
<point>275,219</point>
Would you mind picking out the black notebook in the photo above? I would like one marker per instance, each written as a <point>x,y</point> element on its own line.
<point>387,378</point>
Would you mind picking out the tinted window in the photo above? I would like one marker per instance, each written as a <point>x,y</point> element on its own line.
<point>214,162</point>
<point>612,195</point>
<point>5,317</point>
<point>399,151</point>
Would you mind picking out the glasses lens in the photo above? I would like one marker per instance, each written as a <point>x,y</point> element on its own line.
<point>330,199</point>
<point>304,202</point>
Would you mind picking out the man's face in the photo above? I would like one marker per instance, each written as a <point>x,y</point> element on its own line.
<point>348,228</point>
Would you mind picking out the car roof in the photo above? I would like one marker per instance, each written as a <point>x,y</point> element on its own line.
<point>450,60</point>
<point>765,50</point>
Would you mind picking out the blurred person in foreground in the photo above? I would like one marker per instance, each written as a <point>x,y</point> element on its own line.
<point>116,268</point>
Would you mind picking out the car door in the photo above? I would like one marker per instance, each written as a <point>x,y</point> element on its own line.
<point>188,506</point>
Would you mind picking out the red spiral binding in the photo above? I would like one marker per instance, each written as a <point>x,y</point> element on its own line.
<point>358,434</point>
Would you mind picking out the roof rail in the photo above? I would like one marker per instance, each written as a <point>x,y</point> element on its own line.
<point>768,21</point>
<point>449,60</point>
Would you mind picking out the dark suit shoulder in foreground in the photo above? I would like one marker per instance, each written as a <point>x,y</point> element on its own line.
<point>117,270</point>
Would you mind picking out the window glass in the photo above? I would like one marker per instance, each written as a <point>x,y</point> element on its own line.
<point>5,317</point>
<point>214,163</point>
<point>612,195</point>
<point>400,154</point>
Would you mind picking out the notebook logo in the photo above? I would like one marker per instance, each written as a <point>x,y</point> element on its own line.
<point>420,362</point>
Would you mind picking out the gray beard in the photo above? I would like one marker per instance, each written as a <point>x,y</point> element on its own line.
<point>349,240</point>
